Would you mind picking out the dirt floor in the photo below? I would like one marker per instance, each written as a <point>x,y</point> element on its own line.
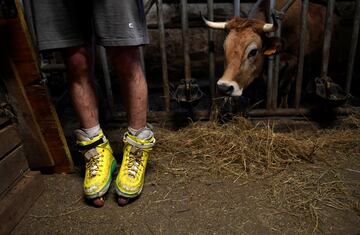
<point>238,178</point>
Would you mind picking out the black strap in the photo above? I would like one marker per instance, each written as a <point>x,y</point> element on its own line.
<point>90,146</point>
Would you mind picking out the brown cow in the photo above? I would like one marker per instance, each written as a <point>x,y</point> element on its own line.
<point>247,44</point>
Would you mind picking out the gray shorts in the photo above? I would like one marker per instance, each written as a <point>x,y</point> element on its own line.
<point>69,23</point>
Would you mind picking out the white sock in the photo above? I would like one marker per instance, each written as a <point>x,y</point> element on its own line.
<point>93,131</point>
<point>142,133</point>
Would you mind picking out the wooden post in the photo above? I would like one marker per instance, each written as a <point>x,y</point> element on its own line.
<point>44,140</point>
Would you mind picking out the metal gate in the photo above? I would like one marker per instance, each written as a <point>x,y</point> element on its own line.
<point>272,108</point>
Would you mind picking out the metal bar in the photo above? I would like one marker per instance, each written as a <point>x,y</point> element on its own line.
<point>327,37</point>
<point>142,60</point>
<point>300,72</point>
<point>269,89</point>
<point>148,5</point>
<point>287,5</point>
<point>161,116</point>
<point>45,68</point>
<point>354,41</point>
<point>279,17</point>
<point>294,112</point>
<point>107,80</point>
<point>276,70</point>
<point>164,65</point>
<point>185,38</point>
<point>279,112</point>
<point>211,48</point>
<point>236,7</point>
<point>270,71</point>
<point>164,117</point>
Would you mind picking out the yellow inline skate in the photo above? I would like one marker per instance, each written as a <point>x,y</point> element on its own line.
<point>100,165</point>
<point>130,180</point>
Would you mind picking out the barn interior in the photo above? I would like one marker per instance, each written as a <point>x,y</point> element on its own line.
<point>244,165</point>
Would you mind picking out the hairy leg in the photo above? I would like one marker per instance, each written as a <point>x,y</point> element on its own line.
<point>81,85</point>
<point>126,62</point>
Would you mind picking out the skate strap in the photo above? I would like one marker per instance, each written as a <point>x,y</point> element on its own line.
<point>91,153</point>
<point>92,145</point>
<point>138,144</point>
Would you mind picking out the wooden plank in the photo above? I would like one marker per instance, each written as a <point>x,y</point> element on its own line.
<point>38,95</point>
<point>28,91</point>
<point>12,168</point>
<point>34,143</point>
<point>9,139</point>
<point>37,152</point>
<point>19,200</point>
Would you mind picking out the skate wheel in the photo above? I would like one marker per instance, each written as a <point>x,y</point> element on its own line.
<point>123,201</point>
<point>98,202</point>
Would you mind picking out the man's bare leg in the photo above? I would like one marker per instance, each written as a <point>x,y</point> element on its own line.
<point>126,62</point>
<point>83,95</point>
<point>139,139</point>
<point>81,85</point>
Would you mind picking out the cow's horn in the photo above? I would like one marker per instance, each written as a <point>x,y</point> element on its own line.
<point>268,28</point>
<point>214,25</point>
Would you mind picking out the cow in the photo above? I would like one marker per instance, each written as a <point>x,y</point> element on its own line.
<point>247,44</point>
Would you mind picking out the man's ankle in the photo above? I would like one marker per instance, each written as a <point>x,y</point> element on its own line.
<point>142,133</point>
<point>93,131</point>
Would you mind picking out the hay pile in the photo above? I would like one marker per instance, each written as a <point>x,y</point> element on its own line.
<point>302,167</point>
<point>243,149</point>
<point>237,148</point>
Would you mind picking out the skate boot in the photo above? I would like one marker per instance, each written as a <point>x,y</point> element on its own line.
<point>130,180</point>
<point>100,165</point>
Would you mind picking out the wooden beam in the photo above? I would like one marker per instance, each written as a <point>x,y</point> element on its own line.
<point>19,200</point>
<point>9,139</point>
<point>28,86</point>
<point>12,168</point>
<point>46,115</point>
<point>36,149</point>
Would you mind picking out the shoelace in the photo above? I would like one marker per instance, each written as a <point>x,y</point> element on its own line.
<point>94,165</point>
<point>135,161</point>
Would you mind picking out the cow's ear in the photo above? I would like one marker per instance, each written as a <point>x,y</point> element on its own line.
<point>272,46</point>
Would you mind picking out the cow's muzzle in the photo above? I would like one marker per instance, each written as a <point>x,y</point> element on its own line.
<point>225,89</point>
<point>229,88</point>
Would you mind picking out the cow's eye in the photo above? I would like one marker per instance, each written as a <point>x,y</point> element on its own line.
<point>252,53</point>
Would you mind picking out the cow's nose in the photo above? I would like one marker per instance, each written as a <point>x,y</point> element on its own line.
<point>225,89</point>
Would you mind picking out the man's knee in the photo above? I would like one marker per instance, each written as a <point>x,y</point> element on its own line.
<point>78,62</point>
<point>124,58</point>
